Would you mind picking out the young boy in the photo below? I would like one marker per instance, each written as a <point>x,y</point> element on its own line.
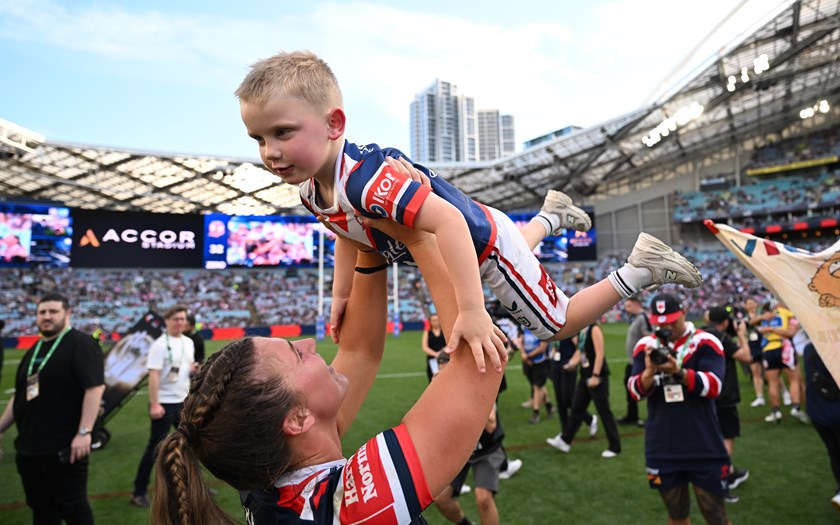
<point>292,106</point>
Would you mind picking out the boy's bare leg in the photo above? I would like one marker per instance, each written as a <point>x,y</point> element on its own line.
<point>586,307</point>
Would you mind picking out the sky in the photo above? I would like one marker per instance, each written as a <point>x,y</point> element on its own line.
<point>159,76</point>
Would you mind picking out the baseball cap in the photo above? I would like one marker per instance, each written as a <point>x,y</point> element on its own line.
<point>718,314</point>
<point>665,309</point>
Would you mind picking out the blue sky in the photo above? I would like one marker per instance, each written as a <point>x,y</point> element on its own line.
<point>160,76</point>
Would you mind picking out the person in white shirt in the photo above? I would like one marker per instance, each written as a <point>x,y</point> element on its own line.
<point>171,362</point>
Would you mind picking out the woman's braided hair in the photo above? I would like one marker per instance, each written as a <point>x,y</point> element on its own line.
<point>231,423</point>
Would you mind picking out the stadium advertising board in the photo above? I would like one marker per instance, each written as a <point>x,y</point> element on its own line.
<point>569,246</point>
<point>34,235</point>
<point>104,239</point>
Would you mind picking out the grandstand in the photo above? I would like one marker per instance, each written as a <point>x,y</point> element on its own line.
<point>749,137</point>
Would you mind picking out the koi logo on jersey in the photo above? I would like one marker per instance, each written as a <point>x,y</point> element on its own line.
<point>367,488</point>
<point>382,192</point>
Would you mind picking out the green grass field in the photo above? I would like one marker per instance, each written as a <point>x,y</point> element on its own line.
<point>790,479</point>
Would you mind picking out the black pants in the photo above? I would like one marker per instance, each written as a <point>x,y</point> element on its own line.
<point>831,438</point>
<point>160,428</point>
<point>632,405</point>
<point>55,491</point>
<point>600,395</point>
<point>564,392</point>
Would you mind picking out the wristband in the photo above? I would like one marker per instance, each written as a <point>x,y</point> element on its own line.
<point>598,375</point>
<point>372,269</point>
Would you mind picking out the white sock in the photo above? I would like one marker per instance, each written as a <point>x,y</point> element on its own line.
<point>629,280</point>
<point>549,221</point>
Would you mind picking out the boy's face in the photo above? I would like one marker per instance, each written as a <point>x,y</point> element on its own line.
<point>295,139</point>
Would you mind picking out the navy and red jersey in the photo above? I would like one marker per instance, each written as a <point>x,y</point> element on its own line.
<point>366,186</point>
<point>382,483</point>
<point>687,429</point>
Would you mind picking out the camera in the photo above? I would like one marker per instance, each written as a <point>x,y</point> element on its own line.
<point>659,355</point>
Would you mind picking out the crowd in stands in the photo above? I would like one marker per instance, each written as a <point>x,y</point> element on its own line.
<point>114,300</point>
<point>792,193</point>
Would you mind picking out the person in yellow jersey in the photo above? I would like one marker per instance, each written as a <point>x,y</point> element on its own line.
<point>779,357</point>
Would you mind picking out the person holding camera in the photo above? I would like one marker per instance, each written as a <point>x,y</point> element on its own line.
<point>680,370</point>
<point>733,336</point>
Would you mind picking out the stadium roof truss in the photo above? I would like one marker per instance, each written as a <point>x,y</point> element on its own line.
<point>754,88</point>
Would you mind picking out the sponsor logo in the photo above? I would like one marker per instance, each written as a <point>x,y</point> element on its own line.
<point>367,488</point>
<point>89,238</point>
<point>148,239</point>
<point>384,186</point>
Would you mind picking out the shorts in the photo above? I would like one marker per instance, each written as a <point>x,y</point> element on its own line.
<point>485,473</point>
<point>539,373</point>
<point>710,475</point>
<point>780,358</point>
<point>755,351</point>
<point>520,283</point>
<point>730,422</point>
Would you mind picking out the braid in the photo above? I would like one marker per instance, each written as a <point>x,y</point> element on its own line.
<point>220,370</point>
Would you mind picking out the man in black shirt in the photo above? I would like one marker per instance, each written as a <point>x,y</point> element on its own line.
<point>197,340</point>
<point>733,336</point>
<point>58,389</point>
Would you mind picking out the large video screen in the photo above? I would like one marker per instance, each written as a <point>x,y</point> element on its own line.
<point>264,241</point>
<point>34,235</point>
<point>569,246</point>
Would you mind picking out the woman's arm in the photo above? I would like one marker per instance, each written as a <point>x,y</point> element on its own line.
<point>362,336</point>
<point>454,407</point>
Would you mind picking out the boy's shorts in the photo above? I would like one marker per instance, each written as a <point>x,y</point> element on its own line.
<point>485,473</point>
<point>711,476</point>
<point>520,282</point>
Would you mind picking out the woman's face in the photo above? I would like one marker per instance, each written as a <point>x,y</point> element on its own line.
<point>434,321</point>
<point>307,373</point>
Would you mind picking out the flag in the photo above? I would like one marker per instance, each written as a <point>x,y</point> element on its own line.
<point>808,283</point>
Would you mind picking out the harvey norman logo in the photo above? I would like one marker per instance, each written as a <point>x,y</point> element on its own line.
<point>148,239</point>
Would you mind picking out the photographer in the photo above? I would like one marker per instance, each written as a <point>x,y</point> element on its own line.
<point>679,370</point>
<point>722,326</point>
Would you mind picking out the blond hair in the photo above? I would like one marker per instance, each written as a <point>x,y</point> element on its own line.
<point>299,74</point>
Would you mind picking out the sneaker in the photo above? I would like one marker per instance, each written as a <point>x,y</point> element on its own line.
<point>759,402</point>
<point>513,467</point>
<point>786,398</point>
<point>835,501</point>
<point>550,412</point>
<point>774,417</point>
<point>466,489</point>
<point>140,500</point>
<point>593,426</point>
<point>571,217</point>
<point>665,265</point>
<point>608,454</point>
<point>558,443</point>
<point>535,418</point>
<point>737,477</point>
<point>525,404</point>
<point>732,498</point>
<point>640,423</point>
<point>800,414</point>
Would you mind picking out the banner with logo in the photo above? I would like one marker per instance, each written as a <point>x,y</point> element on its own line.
<point>808,283</point>
<point>125,364</point>
<point>105,239</point>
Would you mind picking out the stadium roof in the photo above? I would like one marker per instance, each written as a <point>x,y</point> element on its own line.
<point>753,88</point>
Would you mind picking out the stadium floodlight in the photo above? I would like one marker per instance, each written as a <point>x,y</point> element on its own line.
<point>19,137</point>
<point>824,107</point>
<point>761,64</point>
<point>683,116</point>
<point>806,113</point>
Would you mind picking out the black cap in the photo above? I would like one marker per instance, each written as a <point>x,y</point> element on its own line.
<point>718,314</point>
<point>665,309</point>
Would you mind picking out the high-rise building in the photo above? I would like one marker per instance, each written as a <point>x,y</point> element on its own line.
<point>443,125</point>
<point>495,135</point>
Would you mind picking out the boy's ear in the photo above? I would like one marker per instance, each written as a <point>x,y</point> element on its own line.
<point>297,422</point>
<point>336,120</point>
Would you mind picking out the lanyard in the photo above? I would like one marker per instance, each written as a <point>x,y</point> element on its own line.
<point>49,354</point>
<point>169,350</point>
<point>582,340</point>
<point>684,348</point>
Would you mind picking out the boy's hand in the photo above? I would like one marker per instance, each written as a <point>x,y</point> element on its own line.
<point>339,304</point>
<point>476,328</point>
<point>401,165</point>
